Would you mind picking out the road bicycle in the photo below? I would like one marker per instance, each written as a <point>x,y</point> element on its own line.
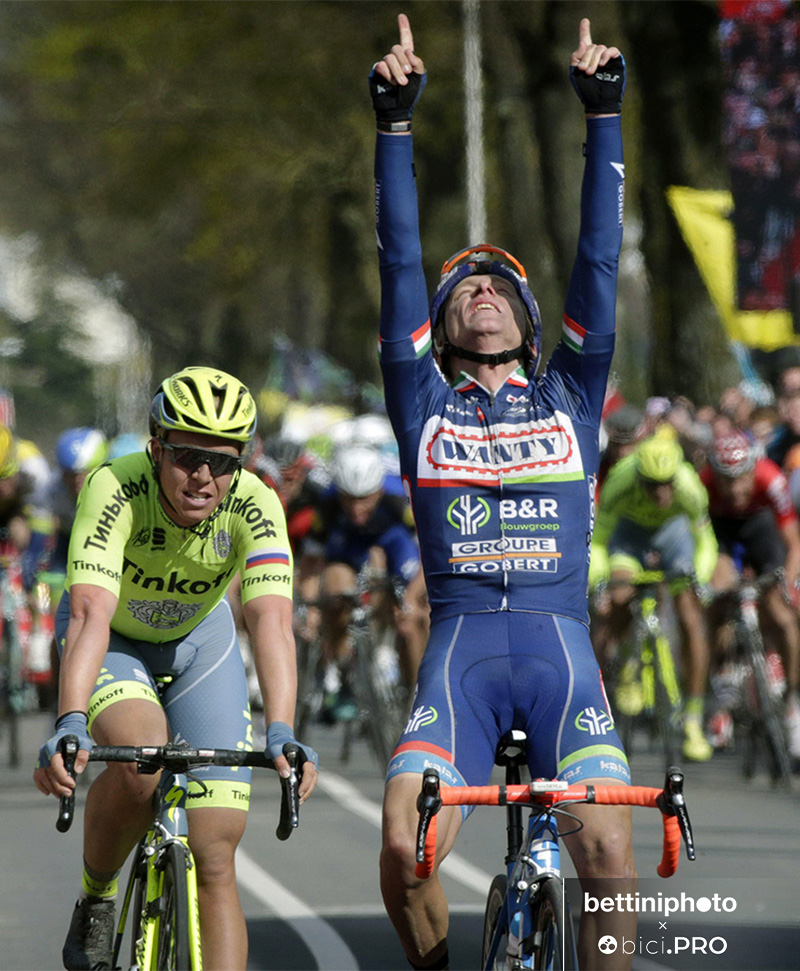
<point>758,726</point>
<point>527,923</point>
<point>643,680</point>
<point>17,694</point>
<point>379,697</point>
<point>161,895</point>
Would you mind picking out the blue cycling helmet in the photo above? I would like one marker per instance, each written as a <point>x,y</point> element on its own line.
<point>486,260</point>
<point>81,449</point>
<point>125,444</point>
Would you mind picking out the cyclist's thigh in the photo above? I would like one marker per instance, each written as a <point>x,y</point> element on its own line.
<point>674,542</point>
<point>124,707</point>
<point>450,729</point>
<point>206,701</point>
<point>629,547</point>
<point>764,548</point>
<point>571,733</point>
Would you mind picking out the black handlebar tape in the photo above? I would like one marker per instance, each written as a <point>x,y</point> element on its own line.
<point>68,746</point>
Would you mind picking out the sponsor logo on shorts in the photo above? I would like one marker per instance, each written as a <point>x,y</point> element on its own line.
<point>420,717</point>
<point>594,722</point>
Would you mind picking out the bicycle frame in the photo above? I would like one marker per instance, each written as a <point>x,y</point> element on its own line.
<point>170,826</point>
<point>650,651</point>
<point>538,860</point>
<point>655,651</point>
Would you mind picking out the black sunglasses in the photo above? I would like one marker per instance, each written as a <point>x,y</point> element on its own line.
<point>190,459</point>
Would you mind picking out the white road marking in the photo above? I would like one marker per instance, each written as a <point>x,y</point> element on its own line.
<point>329,949</point>
<point>346,794</point>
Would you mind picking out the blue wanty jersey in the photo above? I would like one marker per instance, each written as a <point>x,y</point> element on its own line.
<point>502,484</point>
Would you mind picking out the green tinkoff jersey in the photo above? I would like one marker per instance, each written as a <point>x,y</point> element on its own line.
<point>624,497</point>
<point>168,578</point>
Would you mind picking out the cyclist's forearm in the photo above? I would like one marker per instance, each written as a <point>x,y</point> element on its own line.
<point>706,553</point>
<point>85,648</point>
<point>85,644</point>
<point>274,654</point>
<point>791,565</point>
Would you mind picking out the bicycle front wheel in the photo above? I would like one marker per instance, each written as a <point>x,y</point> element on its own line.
<point>494,954</point>
<point>668,700</point>
<point>173,950</point>
<point>549,929</point>
<point>771,726</point>
<point>10,688</point>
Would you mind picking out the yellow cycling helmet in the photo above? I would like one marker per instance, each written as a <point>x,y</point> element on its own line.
<point>206,401</point>
<point>9,463</point>
<point>658,458</point>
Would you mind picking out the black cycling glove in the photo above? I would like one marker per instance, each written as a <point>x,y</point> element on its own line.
<point>394,103</point>
<point>601,92</point>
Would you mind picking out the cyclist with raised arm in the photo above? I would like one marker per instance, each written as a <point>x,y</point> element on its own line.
<point>501,468</point>
<point>357,524</point>
<point>149,649</point>
<point>654,513</point>
<point>756,526</point>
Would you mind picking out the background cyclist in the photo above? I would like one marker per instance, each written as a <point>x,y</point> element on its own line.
<point>149,646</point>
<point>503,532</point>
<point>757,527</point>
<point>654,515</point>
<point>357,522</point>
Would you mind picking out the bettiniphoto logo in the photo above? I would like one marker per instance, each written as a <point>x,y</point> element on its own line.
<point>635,903</point>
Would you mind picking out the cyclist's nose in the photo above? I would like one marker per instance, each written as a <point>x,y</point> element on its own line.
<point>203,473</point>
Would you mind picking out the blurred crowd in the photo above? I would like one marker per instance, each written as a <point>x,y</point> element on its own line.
<point>761,60</point>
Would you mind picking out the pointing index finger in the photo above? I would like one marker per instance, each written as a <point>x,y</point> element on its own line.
<point>406,37</point>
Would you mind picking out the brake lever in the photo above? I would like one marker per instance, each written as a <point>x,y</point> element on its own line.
<point>290,795</point>
<point>671,802</point>
<point>68,747</point>
<point>429,802</point>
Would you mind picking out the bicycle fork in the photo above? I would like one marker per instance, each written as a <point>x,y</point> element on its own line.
<point>657,656</point>
<point>539,861</point>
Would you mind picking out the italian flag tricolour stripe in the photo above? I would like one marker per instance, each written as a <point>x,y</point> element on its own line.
<point>422,339</point>
<point>573,334</point>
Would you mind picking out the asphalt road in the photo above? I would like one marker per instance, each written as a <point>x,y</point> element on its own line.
<point>314,901</point>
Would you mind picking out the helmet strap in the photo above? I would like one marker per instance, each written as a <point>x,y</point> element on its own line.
<point>501,357</point>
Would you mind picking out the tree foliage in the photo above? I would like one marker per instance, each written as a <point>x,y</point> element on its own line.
<point>213,161</point>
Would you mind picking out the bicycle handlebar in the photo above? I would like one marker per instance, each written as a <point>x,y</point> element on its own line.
<point>547,794</point>
<point>175,758</point>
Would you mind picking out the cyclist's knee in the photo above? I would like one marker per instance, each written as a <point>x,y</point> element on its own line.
<point>130,785</point>
<point>604,847</point>
<point>214,835</point>
<point>397,860</point>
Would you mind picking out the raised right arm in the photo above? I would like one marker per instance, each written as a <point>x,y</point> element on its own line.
<point>396,82</point>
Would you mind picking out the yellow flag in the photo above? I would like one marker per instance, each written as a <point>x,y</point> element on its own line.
<point>704,219</point>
